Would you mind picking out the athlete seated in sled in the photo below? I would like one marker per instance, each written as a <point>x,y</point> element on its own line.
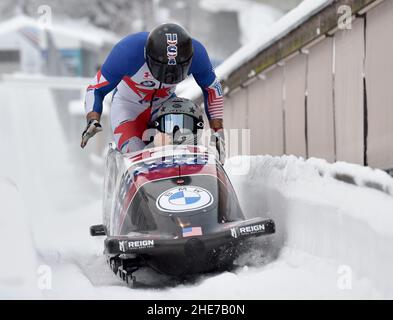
<point>178,121</point>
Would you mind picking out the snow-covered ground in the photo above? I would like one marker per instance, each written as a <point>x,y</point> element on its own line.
<point>334,239</point>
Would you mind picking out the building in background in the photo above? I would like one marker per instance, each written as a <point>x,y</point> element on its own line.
<point>222,26</point>
<point>62,49</point>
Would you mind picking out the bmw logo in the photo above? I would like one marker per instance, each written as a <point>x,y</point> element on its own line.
<point>184,198</point>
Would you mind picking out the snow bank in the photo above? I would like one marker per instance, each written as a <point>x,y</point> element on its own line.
<point>345,222</point>
<point>355,174</point>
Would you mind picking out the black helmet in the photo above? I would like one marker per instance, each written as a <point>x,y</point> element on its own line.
<point>169,52</point>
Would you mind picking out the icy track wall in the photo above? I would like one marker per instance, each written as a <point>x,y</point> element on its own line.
<point>44,178</point>
<point>340,212</point>
<point>18,270</point>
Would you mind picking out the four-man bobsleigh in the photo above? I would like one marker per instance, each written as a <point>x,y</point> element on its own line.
<point>172,207</point>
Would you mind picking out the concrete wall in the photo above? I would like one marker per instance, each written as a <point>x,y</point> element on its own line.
<point>333,99</point>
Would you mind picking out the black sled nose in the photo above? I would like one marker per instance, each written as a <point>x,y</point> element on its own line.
<point>194,248</point>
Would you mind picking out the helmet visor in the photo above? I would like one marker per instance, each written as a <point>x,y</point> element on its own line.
<point>166,73</point>
<point>173,123</point>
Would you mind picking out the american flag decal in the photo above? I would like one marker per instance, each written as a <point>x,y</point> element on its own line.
<point>215,100</point>
<point>171,39</point>
<point>192,231</point>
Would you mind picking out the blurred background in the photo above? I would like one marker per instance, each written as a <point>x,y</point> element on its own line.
<point>85,30</point>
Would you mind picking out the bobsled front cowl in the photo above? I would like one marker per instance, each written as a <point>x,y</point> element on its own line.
<point>180,201</point>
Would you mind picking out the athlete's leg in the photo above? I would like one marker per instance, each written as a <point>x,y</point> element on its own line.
<point>129,121</point>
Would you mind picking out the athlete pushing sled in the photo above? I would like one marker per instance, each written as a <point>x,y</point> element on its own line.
<point>143,69</point>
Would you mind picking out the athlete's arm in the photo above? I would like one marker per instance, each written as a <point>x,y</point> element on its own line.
<point>105,81</point>
<point>107,78</point>
<point>206,78</point>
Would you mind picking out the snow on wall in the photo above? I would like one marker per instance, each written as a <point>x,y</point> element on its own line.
<point>316,213</point>
<point>355,174</point>
<point>283,26</point>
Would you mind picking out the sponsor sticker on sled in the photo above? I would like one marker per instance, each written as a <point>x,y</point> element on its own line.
<point>251,229</point>
<point>184,198</point>
<point>126,245</point>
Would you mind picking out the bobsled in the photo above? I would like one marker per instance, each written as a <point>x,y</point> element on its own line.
<point>173,209</point>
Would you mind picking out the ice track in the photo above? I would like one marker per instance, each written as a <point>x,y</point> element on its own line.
<point>333,221</point>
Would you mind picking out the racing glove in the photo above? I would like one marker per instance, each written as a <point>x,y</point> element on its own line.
<point>218,140</point>
<point>92,127</point>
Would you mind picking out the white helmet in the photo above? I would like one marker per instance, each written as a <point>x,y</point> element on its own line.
<point>180,118</point>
